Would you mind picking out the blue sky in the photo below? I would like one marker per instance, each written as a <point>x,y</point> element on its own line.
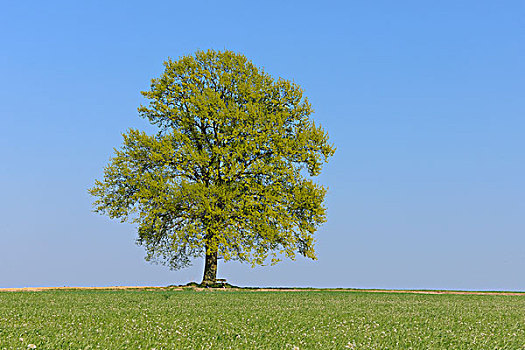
<point>424,101</point>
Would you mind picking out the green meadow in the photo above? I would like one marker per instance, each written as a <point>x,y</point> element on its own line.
<point>246,319</point>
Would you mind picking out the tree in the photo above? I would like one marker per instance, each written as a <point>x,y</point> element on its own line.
<point>227,175</point>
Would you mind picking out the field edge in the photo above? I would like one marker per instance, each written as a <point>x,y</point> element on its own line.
<point>263,289</point>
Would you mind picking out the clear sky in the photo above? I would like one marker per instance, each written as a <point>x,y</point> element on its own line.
<point>423,99</point>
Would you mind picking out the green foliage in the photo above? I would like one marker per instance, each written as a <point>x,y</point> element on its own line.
<point>259,320</point>
<point>226,171</point>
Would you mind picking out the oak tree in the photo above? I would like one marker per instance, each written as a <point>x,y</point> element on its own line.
<point>229,172</point>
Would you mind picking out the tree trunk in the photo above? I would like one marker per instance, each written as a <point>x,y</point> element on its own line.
<point>210,267</point>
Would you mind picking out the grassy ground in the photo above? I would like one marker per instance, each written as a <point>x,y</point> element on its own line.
<point>259,320</point>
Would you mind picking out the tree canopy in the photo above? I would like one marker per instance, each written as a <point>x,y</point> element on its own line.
<point>228,174</point>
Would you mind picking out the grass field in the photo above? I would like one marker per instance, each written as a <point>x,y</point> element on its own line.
<point>259,320</point>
